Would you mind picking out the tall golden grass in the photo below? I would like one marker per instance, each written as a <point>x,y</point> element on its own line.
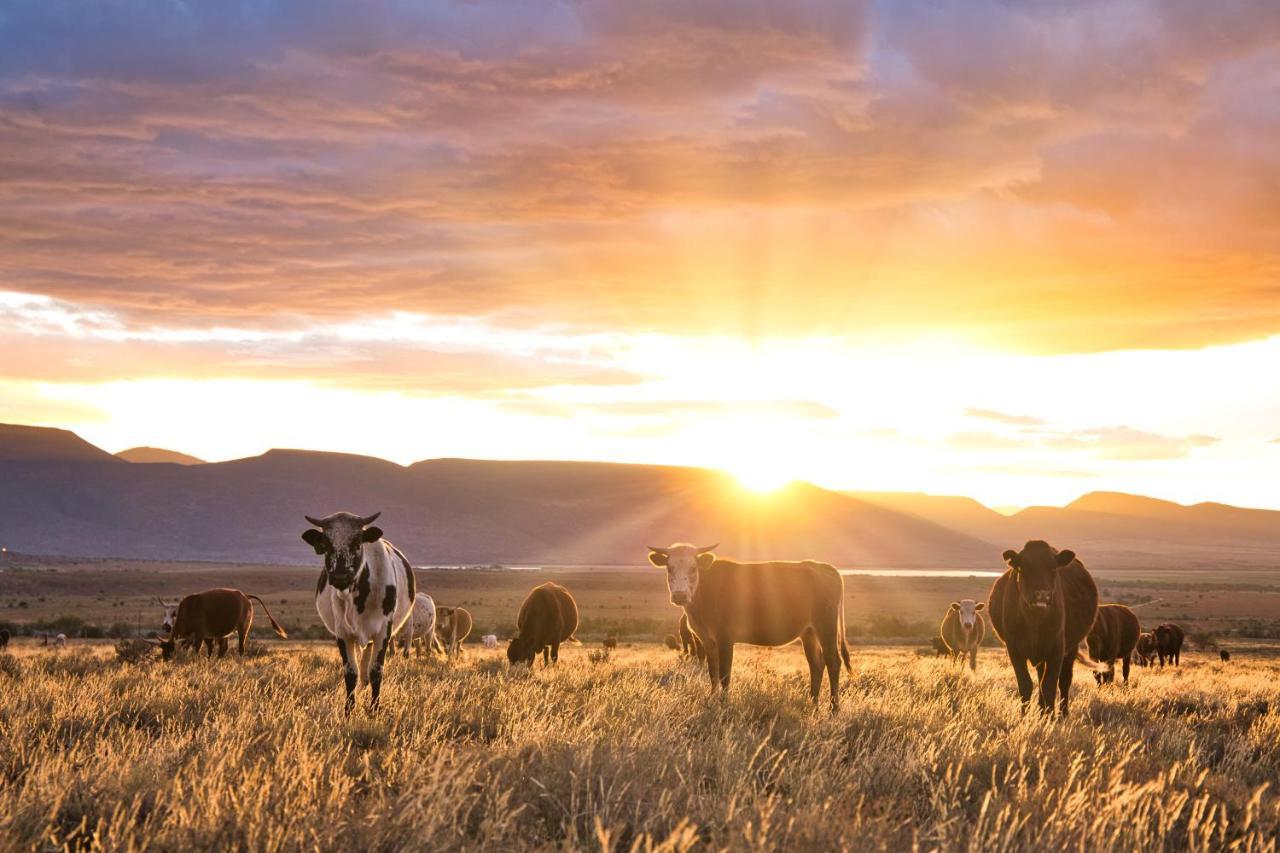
<point>628,753</point>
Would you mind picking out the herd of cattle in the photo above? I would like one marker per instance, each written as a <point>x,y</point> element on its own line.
<point>1044,607</point>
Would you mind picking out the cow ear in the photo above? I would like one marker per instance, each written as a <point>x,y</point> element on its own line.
<point>955,605</point>
<point>705,560</point>
<point>981,605</point>
<point>1065,558</point>
<point>658,558</point>
<point>371,534</point>
<point>1011,557</point>
<point>316,540</point>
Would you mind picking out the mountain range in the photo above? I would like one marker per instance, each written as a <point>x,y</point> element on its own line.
<point>61,495</point>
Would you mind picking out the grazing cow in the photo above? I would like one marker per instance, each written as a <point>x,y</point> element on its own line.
<point>4,638</point>
<point>963,629</point>
<point>1169,639</point>
<point>764,604</point>
<point>548,617</point>
<point>490,641</point>
<point>1145,650</point>
<point>940,648</point>
<point>452,627</point>
<point>1113,637</point>
<point>1224,655</point>
<point>690,645</point>
<point>215,614</point>
<point>364,595</point>
<point>59,640</point>
<point>672,642</point>
<point>610,642</point>
<point>1042,607</point>
<point>421,626</point>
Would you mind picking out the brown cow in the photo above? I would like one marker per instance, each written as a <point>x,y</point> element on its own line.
<point>764,604</point>
<point>672,642</point>
<point>453,625</point>
<point>940,648</point>
<point>690,645</point>
<point>1113,637</point>
<point>610,642</point>
<point>4,638</point>
<point>1145,650</point>
<point>214,614</point>
<point>963,629</point>
<point>548,617</point>
<point>1042,607</point>
<point>1169,643</point>
<point>1224,655</point>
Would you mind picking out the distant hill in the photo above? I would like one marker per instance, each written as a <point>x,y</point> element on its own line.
<point>148,455</point>
<point>449,511</point>
<point>41,444</point>
<point>61,495</point>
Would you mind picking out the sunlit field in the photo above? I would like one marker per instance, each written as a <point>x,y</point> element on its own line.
<point>627,753</point>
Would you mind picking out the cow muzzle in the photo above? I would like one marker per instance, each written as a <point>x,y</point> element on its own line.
<point>679,599</point>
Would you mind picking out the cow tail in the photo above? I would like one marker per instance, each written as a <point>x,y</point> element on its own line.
<point>274,624</point>
<point>844,645</point>
<point>1084,660</point>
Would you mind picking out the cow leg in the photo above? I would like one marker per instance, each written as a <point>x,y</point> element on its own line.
<point>813,654</point>
<point>347,652</point>
<point>222,648</point>
<point>1023,675</point>
<point>1126,669</point>
<point>726,665</point>
<point>1064,680</point>
<point>711,651</point>
<point>973,659</point>
<point>1049,683</point>
<point>375,672</point>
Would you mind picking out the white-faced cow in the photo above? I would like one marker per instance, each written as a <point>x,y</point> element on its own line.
<point>764,604</point>
<point>421,627</point>
<point>963,629</point>
<point>364,595</point>
<point>215,614</point>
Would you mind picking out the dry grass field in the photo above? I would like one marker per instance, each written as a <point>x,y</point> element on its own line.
<point>627,754</point>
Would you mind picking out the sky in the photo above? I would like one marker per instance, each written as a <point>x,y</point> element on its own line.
<point>1013,250</point>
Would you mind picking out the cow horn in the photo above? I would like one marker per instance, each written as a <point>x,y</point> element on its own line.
<point>370,519</point>
<point>317,522</point>
<point>708,548</point>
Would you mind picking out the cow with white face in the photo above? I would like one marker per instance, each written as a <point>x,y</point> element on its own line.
<point>364,595</point>
<point>963,629</point>
<point>762,604</point>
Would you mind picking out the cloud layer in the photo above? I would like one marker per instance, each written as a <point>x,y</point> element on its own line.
<point>1048,177</point>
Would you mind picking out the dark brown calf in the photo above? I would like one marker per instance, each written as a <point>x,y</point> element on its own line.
<point>1169,639</point>
<point>940,648</point>
<point>214,615</point>
<point>672,642</point>
<point>1113,637</point>
<point>610,642</point>
<point>1042,608</point>
<point>763,604</point>
<point>4,638</point>
<point>1145,650</point>
<point>548,617</point>
<point>1224,655</point>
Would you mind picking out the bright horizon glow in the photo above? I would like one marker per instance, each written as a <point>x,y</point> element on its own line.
<point>791,241</point>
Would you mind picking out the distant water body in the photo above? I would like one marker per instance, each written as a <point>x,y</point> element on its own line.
<point>921,573</point>
<point>875,573</point>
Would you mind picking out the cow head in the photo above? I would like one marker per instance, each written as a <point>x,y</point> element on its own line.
<point>340,541</point>
<point>1035,570</point>
<point>520,650</point>
<point>170,614</point>
<point>168,646</point>
<point>683,563</point>
<point>968,611</point>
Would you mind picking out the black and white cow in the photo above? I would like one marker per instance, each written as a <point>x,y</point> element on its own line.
<point>364,596</point>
